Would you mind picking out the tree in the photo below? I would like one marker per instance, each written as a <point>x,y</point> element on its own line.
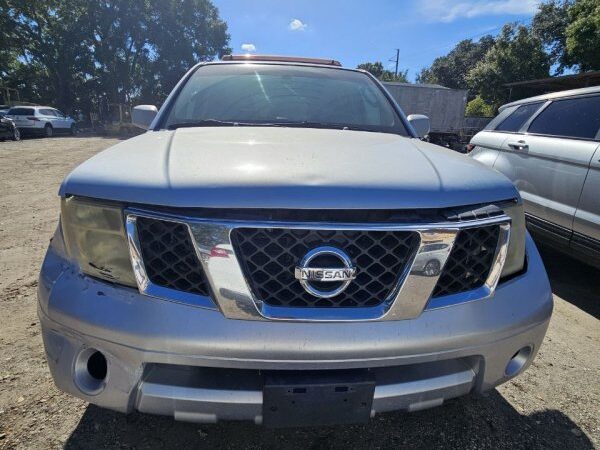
<point>583,35</point>
<point>49,37</point>
<point>205,36</point>
<point>517,55</point>
<point>479,108</point>
<point>570,30</point>
<point>376,69</point>
<point>549,25</point>
<point>72,53</point>
<point>451,70</point>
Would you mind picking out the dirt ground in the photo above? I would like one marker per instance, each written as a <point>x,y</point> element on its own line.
<point>555,404</point>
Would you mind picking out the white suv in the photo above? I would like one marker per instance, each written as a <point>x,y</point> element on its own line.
<point>549,146</point>
<point>41,119</point>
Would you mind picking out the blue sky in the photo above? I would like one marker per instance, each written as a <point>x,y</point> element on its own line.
<point>354,31</point>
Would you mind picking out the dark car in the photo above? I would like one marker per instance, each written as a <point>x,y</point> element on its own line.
<point>8,129</point>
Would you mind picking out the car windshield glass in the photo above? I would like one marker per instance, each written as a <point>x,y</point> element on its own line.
<point>278,95</point>
<point>21,111</point>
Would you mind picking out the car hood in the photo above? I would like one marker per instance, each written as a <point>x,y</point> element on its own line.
<point>268,167</point>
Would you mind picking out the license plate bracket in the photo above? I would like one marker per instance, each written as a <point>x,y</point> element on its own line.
<point>313,399</point>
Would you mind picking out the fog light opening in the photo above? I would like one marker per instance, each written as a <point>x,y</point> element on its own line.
<point>518,361</point>
<point>91,370</point>
<point>96,366</point>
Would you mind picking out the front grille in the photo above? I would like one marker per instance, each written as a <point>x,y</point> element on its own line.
<point>269,256</point>
<point>169,257</point>
<point>469,262</point>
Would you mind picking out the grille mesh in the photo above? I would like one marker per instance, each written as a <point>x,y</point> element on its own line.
<point>469,262</point>
<point>269,256</point>
<point>169,256</point>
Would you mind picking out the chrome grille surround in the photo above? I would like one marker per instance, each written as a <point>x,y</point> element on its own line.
<point>232,293</point>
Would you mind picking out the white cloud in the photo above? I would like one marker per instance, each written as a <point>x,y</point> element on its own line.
<point>297,25</point>
<point>249,48</point>
<point>450,10</point>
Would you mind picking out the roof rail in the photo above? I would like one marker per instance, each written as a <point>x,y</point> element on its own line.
<point>293,59</point>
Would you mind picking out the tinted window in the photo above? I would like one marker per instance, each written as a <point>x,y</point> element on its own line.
<point>500,118</point>
<point>289,95</point>
<point>21,111</point>
<point>578,117</point>
<point>515,121</point>
<point>47,112</point>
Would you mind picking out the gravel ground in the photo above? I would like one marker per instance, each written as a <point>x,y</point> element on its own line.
<point>555,404</point>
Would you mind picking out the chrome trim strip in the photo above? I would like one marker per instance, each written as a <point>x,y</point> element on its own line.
<point>487,290</point>
<point>233,295</point>
<point>145,286</point>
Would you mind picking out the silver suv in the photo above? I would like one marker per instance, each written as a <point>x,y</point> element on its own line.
<point>549,146</point>
<point>281,247</point>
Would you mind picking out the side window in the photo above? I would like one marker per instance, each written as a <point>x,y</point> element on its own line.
<point>576,117</point>
<point>47,112</point>
<point>515,121</point>
<point>500,118</point>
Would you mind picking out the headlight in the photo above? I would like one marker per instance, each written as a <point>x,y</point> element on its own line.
<point>515,258</point>
<point>96,239</point>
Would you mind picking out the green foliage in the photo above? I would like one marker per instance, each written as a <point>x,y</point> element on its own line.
<point>451,70</point>
<point>549,25</point>
<point>376,69</point>
<point>516,55</point>
<point>583,35</point>
<point>79,53</point>
<point>479,108</point>
<point>570,29</point>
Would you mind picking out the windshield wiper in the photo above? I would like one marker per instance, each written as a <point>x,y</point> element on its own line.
<point>203,123</point>
<point>232,123</point>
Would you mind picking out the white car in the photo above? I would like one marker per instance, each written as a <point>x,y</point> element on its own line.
<point>43,120</point>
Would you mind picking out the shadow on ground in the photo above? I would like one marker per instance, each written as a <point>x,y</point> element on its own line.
<point>471,422</point>
<point>572,280</point>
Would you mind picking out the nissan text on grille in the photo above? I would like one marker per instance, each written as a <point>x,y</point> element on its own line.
<point>281,247</point>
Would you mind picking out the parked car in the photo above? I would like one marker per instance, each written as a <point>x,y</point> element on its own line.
<point>42,120</point>
<point>253,256</point>
<point>8,129</point>
<point>549,146</point>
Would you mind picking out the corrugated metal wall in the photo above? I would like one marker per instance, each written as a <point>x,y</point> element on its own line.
<point>444,107</point>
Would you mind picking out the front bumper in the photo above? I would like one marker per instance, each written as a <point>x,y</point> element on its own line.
<point>197,365</point>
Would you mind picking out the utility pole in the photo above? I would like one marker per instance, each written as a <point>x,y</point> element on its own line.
<point>397,58</point>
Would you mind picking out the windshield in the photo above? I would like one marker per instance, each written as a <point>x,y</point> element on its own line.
<point>279,95</point>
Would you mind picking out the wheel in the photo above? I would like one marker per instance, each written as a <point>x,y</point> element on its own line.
<point>432,268</point>
<point>16,135</point>
<point>48,130</point>
<point>73,130</point>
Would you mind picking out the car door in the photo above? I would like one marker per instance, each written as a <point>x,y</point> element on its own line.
<point>586,225</point>
<point>48,115</point>
<point>550,161</point>
<point>488,142</point>
<point>62,121</point>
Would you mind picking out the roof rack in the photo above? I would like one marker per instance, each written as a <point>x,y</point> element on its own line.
<point>294,59</point>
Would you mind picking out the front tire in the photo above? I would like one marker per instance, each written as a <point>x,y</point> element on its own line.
<point>16,135</point>
<point>48,131</point>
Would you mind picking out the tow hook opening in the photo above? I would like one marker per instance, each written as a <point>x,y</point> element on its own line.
<point>91,371</point>
<point>518,361</point>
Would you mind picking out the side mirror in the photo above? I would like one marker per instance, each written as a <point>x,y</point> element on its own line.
<point>420,123</point>
<point>143,115</point>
